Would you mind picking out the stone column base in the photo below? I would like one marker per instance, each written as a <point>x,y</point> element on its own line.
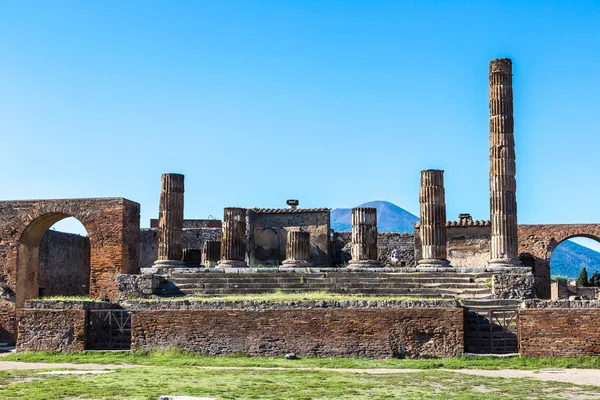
<point>433,263</point>
<point>364,264</point>
<point>296,264</point>
<point>211,264</point>
<point>505,263</point>
<point>232,264</point>
<point>169,263</point>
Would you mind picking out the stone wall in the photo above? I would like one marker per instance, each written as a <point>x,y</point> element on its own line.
<point>559,329</point>
<point>267,234</point>
<point>393,248</point>
<point>52,330</point>
<point>467,244</point>
<point>194,223</point>
<point>64,264</point>
<point>192,238</point>
<point>325,332</point>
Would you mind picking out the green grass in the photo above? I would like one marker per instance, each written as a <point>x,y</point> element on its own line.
<point>177,358</point>
<point>69,298</point>
<point>150,382</point>
<point>292,296</point>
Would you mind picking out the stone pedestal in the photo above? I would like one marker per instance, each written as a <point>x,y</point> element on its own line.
<point>364,238</point>
<point>297,250</point>
<point>192,257</point>
<point>233,242</point>
<point>211,253</point>
<point>170,222</point>
<point>432,200</point>
<point>504,247</point>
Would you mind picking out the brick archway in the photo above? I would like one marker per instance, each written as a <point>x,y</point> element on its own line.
<point>113,226</point>
<point>539,241</point>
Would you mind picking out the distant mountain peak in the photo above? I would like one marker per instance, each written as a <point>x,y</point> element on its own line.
<point>390,217</point>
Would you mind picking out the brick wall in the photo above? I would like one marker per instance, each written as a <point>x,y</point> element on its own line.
<point>559,332</point>
<point>51,330</point>
<point>64,264</point>
<point>324,332</point>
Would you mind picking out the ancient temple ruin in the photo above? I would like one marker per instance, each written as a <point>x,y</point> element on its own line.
<point>499,270</point>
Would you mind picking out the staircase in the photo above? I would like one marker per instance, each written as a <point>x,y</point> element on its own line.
<point>428,285</point>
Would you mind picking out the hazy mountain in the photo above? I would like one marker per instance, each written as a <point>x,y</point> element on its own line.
<point>390,218</point>
<point>569,258</point>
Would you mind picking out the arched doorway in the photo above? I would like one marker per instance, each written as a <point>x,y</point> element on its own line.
<point>28,262</point>
<point>572,254</point>
<point>64,260</point>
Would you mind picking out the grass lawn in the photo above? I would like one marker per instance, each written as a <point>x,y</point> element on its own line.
<point>177,358</point>
<point>148,382</point>
<point>173,372</point>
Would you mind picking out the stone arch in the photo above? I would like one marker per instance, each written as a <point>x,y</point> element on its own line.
<point>113,227</point>
<point>27,279</point>
<point>539,241</point>
<point>555,242</point>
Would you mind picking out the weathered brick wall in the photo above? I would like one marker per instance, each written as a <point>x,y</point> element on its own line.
<point>64,264</point>
<point>51,330</point>
<point>324,332</point>
<point>559,328</point>
<point>113,228</point>
<point>267,234</point>
<point>192,238</point>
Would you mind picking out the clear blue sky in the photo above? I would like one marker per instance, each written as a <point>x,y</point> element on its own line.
<point>335,103</point>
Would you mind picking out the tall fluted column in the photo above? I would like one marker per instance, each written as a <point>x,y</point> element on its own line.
<point>233,242</point>
<point>170,221</point>
<point>432,201</point>
<point>211,253</point>
<point>297,250</point>
<point>364,238</point>
<point>504,248</point>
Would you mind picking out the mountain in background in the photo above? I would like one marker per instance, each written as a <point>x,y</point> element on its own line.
<point>569,258</point>
<point>390,218</point>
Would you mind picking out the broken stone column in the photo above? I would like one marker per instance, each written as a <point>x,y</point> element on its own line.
<point>170,222</point>
<point>432,201</point>
<point>233,242</point>
<point>364,238</point>
<point>504,249</point>
<point>211,253</point>
<point>192,257</point>
<point>297,250</point>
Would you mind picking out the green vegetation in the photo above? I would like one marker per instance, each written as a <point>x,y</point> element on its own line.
<point>151,382</point>
<point>70,298</point>
<point>583,278</point>
<point>560,278</point>
<point>178,358</point>
<point>293,296</point>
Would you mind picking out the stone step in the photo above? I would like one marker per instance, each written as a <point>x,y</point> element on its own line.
<point>397,291</point>
<point>324,280</point>
<point>325,285</point>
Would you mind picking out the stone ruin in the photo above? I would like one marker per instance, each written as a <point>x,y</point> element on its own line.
<point>489,265</point>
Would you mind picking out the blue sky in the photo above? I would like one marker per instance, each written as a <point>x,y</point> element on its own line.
<point>335,103</point>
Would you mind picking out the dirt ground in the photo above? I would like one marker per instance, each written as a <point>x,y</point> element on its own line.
<point>573,376</point>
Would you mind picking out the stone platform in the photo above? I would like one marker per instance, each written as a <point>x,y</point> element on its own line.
<point>373,282</point>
